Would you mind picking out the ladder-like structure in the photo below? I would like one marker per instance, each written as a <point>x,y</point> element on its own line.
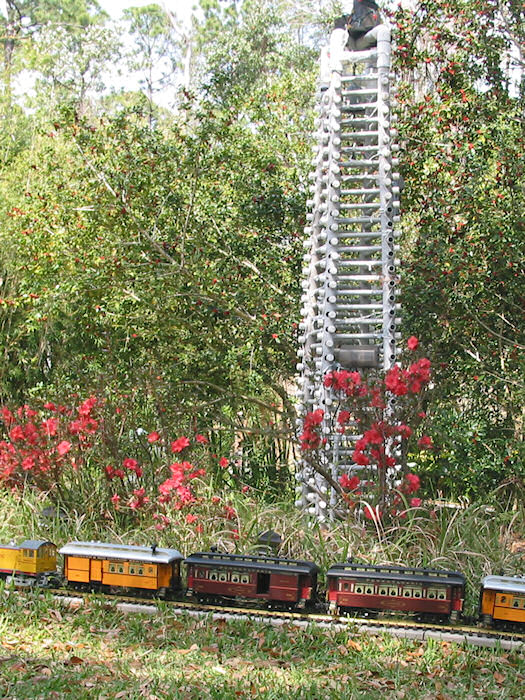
<point>349,310</point>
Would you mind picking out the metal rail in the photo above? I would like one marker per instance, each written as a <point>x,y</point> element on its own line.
<point>415,630</point>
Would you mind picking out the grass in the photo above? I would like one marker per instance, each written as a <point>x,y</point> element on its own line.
<point>97,652</point>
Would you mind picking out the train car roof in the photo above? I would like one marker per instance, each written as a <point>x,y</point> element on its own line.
<point>33,544</point>
<point>103,550</point>
<point>396,573</point>
<point>510,584</point>
<point>27,544</point>
<point>258,562</point>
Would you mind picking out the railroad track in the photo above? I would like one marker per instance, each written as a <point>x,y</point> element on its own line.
<point>407,629</point>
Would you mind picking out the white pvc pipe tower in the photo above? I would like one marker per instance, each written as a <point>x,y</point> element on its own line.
<point>349,310</point>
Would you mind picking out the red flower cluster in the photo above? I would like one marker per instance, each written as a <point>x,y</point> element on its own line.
<point>350,383</point>
<point>363,403</point>
<point>138,499</point>
<point>372,447</point>
<point>425,442</point>
<point>411,381</point>
<point>309,438</point>
<point>127,464</point>
<point>229,513</point>
<point>179,444</point>
<point>349,482</point>
<point>177,489</point>
<point>411,484</point>
<point>40,444</point>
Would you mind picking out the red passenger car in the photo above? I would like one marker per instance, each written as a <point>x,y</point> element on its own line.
<point>433,592</point>
<point>213,576</point>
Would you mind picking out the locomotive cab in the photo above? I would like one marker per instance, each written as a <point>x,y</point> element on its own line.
<point>32,562</point>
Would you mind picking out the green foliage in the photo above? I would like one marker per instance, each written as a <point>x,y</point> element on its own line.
<point>157,255</point>
<point>461,127</point>
<point>160,259</point>
<point>476,459</point>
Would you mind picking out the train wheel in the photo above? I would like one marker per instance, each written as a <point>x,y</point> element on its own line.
<point>487,620</point>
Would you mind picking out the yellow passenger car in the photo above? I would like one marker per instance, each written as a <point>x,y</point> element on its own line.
<point>33,561</point>
<point>502,599</point>
<point>120,567</point>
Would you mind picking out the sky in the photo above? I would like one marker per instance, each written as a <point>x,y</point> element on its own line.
<point>181,8</point>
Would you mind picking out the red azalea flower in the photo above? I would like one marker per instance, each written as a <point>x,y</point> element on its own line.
<point>425,442</point>
<point>373,436</point>
<point>343,417</point>
<point>372,513</point>
<point>404,430</point>
<point>223,462</point>
<point>349,482</point>
<point>229,513</point>
<point>314,418</point>
<point>7,416</point>
<point>201,439</point>
<point>179,444</point>
<point>50,426</point>
<point>190,518</point>
<point>16,433</point>
<point>28,463</point>
<point>86,408</point>
<point>130,463</point>
<point>360,458</point>
<point>63,447</point>
<point>415,502</point>
<point>154,436</point>
<point>115,499</point>
<point>196,473</point>
<point>413,482</point>
<point>412,342</point>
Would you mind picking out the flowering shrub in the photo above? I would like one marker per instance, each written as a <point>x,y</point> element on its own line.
<point>63,452</point>
<point>364,405</point>
<point>43,446</point>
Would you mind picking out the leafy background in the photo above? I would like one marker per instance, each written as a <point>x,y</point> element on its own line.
<point>151,254</point>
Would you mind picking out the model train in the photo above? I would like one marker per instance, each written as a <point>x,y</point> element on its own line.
<point>220,578</point>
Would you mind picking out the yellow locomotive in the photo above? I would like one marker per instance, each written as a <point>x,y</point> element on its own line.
<point>29,563</point>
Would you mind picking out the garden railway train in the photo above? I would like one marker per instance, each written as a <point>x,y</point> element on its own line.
<point>220,578</point>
